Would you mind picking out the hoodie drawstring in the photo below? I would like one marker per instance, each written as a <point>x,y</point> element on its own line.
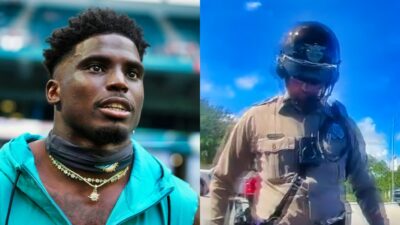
<point>12,196</point>
<point>169,209</point>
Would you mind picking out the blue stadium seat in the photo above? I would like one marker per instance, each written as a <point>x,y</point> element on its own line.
<point>46,19</point>
<point>187,28</point>
<point>152,30</point>
<point>9,11</point>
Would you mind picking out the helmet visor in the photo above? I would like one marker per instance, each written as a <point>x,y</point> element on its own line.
<point>310,72</point>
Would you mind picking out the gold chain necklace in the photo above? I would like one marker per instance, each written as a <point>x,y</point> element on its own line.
<point>92,182</point>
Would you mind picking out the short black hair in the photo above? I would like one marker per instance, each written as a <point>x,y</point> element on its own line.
<point>91,22</point>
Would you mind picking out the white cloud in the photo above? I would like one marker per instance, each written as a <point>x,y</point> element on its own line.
<point>246,82</point>
<point>252,5</point>
<point>376,144</point>
<point>206,86</point>
<point>397,137</point>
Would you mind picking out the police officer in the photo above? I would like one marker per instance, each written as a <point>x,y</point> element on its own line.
<point>304,147</point>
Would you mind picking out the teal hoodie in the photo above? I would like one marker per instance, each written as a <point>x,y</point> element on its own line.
<point>143,201</point>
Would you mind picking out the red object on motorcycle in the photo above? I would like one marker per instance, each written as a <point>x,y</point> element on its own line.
<point>251,185</point>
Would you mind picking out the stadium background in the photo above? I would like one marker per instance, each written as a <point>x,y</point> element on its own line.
<point>169,126</point>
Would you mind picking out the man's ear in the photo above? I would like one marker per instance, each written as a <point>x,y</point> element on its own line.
<point>53,92</point>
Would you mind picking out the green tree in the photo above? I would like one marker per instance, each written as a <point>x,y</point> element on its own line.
<point>214,122</point>
<point>382,174</point>
<point>383,180</point>
<point>397,178</point>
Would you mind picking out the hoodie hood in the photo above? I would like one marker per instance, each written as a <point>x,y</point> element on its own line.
<point>149,182</point>
<point>16,153</point>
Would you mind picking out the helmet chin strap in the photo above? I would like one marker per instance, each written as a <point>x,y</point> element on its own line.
<point>326,93</point>
<point>323,94</point>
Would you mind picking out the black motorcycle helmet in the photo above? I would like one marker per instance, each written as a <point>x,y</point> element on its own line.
<point>310,52</point>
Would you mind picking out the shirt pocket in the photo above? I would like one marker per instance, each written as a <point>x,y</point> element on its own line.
<point>276,157</point>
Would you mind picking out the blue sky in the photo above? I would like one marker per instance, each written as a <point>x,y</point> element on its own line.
<point>240,40</point>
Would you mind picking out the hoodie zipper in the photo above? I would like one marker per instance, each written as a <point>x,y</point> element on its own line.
<point>139,212</point>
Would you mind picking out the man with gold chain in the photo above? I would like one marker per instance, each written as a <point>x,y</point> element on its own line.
<point>303,146</point>
<point>88,170</point>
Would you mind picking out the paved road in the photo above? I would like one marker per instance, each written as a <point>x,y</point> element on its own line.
<point>392,210</point>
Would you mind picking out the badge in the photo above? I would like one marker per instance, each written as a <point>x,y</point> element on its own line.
<point>335,132</point>
<point>314,52</point>
<point>335,144</point>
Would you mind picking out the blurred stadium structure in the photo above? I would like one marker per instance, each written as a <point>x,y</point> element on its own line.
<point>169,125</point>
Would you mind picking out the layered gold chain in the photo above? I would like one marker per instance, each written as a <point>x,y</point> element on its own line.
<point>95,183</point>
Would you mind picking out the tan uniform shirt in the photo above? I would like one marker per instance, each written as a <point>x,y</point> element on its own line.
<point>267,133</point>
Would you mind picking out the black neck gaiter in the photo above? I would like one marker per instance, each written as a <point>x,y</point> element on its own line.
<point>309,105</point>
<point>87,159</point>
